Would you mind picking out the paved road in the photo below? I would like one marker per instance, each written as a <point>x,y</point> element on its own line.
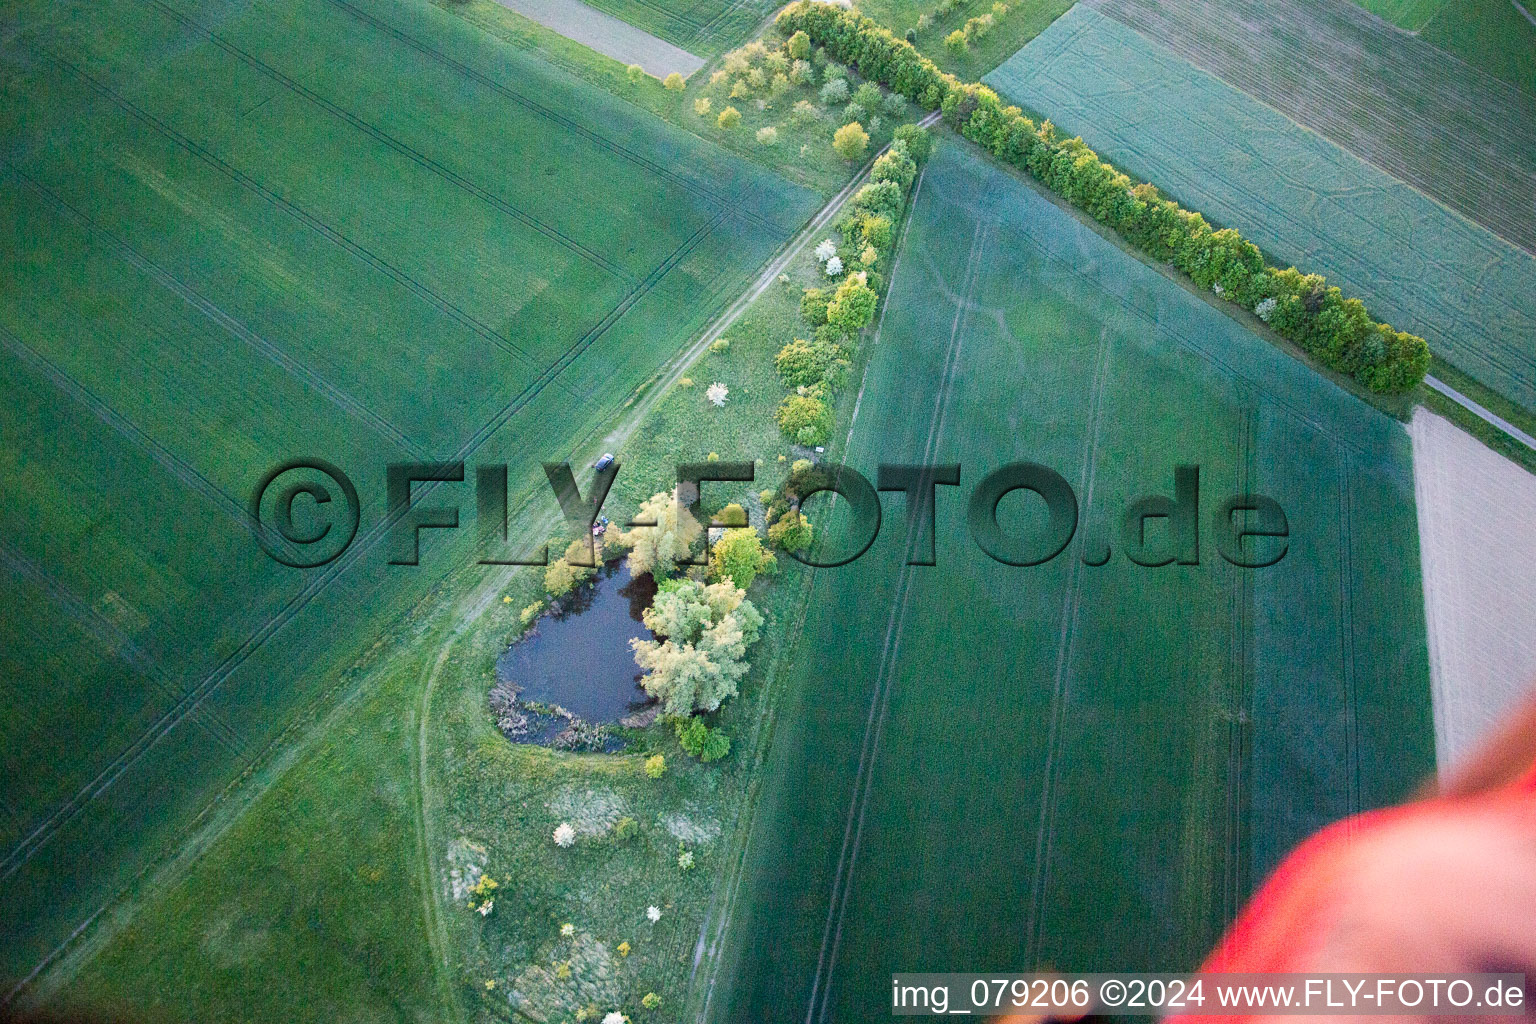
<point>1481,413</point>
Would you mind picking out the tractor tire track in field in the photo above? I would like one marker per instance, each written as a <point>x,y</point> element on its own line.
<point>726,203</point>
<point>1066,642</point>
<point>292,209</point>
<point>168,460</point>
<point>1232,372</point>
<point>421,159</point>
<point>1240,651</point>
<point>111,637</point>
<point>186,293</point>
<point>853,830</point>
<point>1346,560</point>
<point>194,696</point>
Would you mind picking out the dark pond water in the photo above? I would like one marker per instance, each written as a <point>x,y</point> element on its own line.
<point>579,657</point>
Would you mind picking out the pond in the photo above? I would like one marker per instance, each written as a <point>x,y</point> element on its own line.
<point>577,656</point>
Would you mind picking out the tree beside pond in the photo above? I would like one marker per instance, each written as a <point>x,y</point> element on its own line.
<point>658,549</point>
<point>739,556</point>
<point>707,630</point>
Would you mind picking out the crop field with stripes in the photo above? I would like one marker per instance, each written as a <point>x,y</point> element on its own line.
<point>1072,765</point>
<point>1302,199</point>
<point>238,234</point>
<point>1443,125</point>
<point>702,27</point>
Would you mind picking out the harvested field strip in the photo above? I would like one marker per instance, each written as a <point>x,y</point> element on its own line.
<point>1415,264</point>
<point>1392,99</point>
<point>608,35</point>
<point>1477,521</point>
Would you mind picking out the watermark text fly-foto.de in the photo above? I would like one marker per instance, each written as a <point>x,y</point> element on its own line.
<point>305,513</point>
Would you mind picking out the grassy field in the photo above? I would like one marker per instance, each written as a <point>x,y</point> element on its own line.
<point>703,27</point>
<point>1003,768</point>
<point>296,229</point>
<point>802,153</point>
<point>1491,35</point>
<point>1395,100</point>
<point>1025,20</point>
<point>1303,200</point>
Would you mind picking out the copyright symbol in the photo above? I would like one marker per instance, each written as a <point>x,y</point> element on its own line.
<point>1112,992</point>
<point>305,513</point>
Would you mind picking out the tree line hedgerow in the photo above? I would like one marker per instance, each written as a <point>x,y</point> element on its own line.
<point>1301,307</point>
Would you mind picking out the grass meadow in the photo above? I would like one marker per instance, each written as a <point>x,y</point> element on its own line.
<point>1302,199</point>
<point>1073,766</point>
<point>242,236</point>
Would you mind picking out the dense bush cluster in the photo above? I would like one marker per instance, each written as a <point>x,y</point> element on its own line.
<point>1302,307</point>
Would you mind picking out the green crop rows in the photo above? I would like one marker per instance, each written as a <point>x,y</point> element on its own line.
<point>704,27</point>
<point>1415,264</point>
<point>239,236</point>
<point>1086,767</point>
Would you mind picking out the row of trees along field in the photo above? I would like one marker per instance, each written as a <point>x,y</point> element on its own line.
<point>1302,307</point>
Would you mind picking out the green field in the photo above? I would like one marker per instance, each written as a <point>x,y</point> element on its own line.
<point>703,27</point>
<point>1025,20</point>
<point>1064,765</point>
<point>1395,100</point>
<point>243,235</point>
<point>1303,200</point>
<point>1491,35</point>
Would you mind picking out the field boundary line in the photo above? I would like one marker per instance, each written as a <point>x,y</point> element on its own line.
<point>294,210</point>
<point>726,203</point>
<point>232,326</point>
<point>398,145</point>
<point>880,699</point>
<point>1493,419</point>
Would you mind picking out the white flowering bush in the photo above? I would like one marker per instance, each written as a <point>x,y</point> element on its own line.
<point>565,835</point>
<point>826,250</point>
<point>653,913</point>
<point>1265,309</point>
<point>615,1017</point>
<point>834,266</point>
<point>567,931</point>
<point>716,393</point>
<point>685,859</point>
